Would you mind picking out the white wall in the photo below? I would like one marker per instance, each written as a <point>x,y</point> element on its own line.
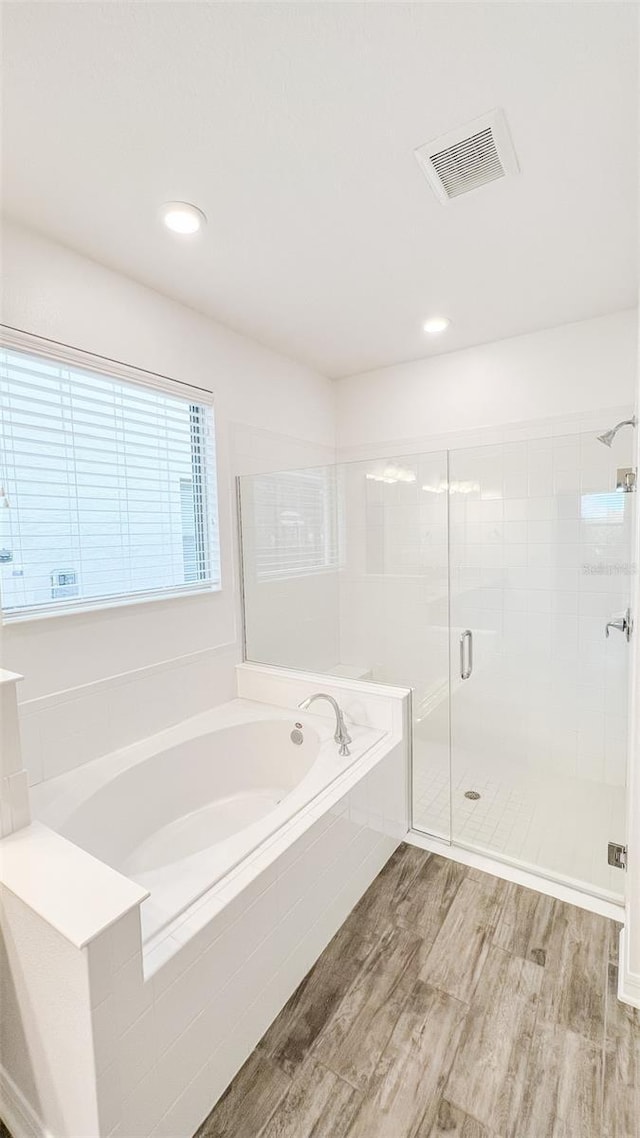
<point>264,403</point>
<point>573,369</point>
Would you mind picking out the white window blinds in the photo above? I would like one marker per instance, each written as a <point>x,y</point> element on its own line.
<point>295,524</point>
<point>108,487</point>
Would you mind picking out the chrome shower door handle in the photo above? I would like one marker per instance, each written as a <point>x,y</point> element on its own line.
<point>466,654</point>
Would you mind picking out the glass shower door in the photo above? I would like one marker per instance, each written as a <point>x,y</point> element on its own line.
<point>540,561</point>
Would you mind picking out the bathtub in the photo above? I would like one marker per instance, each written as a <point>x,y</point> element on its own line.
<point>179,811</point>
<point>248,848</point>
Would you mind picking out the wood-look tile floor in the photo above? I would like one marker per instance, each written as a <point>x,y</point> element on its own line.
<point>450,1004</point>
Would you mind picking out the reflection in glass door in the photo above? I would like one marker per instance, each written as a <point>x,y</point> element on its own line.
<point>394,618</point>
<point>540,561</point>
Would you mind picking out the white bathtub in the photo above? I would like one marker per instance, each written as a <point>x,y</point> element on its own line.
<point>178,811</point>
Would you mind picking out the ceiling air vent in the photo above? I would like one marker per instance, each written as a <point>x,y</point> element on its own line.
<point>470,157</point>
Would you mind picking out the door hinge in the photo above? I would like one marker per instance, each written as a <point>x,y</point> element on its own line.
<point>617,855</point>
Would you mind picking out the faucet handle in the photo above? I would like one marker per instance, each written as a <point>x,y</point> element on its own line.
<point>342,736</point>
<point>622,623</point>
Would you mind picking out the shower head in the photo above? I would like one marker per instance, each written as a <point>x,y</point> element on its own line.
<point>608,436</point>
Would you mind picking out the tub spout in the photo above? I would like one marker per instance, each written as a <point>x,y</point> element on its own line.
<point>341,735</point>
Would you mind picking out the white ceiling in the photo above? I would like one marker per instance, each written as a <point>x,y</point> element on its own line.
<point>293,127</point>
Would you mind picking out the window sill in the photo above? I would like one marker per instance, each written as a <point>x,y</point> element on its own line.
<point>89,606</point>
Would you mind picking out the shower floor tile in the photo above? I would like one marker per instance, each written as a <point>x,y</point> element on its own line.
<point>556,824</point>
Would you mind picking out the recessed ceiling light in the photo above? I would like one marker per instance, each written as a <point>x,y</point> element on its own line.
<point>182,218</point>
<point>436,324</point>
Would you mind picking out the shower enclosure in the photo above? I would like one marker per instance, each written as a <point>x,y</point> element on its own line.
<point>482,578</point>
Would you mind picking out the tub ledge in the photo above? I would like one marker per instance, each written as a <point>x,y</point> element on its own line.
<point>66,887</point>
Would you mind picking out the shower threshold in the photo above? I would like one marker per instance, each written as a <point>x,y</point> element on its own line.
<point>604,902</point>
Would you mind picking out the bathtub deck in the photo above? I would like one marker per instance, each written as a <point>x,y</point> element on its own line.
<point>449,1003</point>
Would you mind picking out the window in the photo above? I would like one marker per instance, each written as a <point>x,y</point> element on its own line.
<point>108,484</point>
<point>295,522</point>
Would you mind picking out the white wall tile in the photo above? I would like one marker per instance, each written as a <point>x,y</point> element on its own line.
<point>142,1108</point>
<point>105,1033</point>
<point>18,791</point>
<point>132,995</point>
<point>109,1098</point>
<point>32,755</point>
<point>136,1051</point>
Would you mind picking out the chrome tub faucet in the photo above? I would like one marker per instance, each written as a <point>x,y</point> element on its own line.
<point>341,735</point>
